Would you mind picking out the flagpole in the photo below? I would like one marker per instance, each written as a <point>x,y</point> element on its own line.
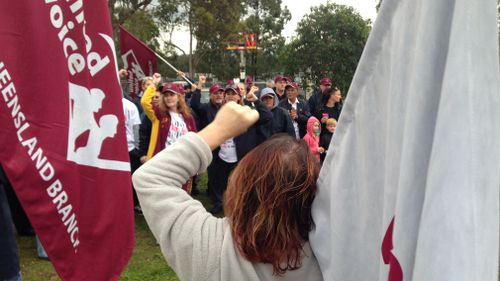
<point>175,69</point>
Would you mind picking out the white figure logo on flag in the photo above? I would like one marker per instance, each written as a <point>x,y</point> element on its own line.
<point>83,104</point>
<point>136,74</point>
<point>135,67</point>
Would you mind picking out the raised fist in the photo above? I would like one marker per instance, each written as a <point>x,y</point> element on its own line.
<point>122,73</point>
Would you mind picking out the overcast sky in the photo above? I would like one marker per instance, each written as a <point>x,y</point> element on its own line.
<point>298,9</point>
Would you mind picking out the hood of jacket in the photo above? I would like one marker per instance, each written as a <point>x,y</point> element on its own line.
<point>310,123</point>
<point>270,92</point>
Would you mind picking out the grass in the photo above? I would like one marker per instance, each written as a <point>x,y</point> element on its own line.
<point>147,262</point>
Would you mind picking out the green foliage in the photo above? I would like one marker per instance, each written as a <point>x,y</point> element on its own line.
<point>135,16</point>
<point>266,19</point>
<point>329,42</point>
<point>121,10</point>
<point>215,23</point>
<point>211,23</point>
<point>171,13</point>
<point>142,25</point>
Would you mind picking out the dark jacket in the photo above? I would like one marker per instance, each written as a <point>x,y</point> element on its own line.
<point>314,101</point>
<point>281,123</point>
<point>324,142</point>
<point>205,112</point>
<point>144,135</point>
<point>302,112</point>
<point>283,97</point>
<point>248,140</point>
<point>9,259</point>
<point>333,112</point>
<point>137,102</point>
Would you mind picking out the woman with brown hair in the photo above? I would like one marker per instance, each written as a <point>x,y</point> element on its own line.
<point>268,206</point>
<point>165,107</point>
<point>170,116</point>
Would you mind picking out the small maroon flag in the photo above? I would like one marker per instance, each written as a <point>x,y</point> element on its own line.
<point>138,59</point>
<point>63,143</point>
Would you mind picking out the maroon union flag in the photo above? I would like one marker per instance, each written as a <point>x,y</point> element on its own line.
<point>62,141</point>
<point>138,59</point>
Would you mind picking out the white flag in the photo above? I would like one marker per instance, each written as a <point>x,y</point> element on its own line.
<point>418,144</point>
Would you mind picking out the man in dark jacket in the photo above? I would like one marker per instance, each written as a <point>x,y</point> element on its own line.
<point>206,114</point>
<point>279,86</point>
<point>315,100</point>
<point>206,111</point>
<point>281,122</point>
<point>297,108</point>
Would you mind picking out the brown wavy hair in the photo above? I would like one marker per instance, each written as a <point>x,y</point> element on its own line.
<point>268,202</point>
<point>182,106</point>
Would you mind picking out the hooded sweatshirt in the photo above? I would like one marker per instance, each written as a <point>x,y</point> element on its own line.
<point>281,122</point>
<point>311,138</point>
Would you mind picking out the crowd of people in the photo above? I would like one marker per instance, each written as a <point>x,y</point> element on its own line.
<point>166,111</point>
<point>262,159</point>
<point>262,151</point>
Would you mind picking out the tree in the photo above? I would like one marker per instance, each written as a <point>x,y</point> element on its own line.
<point>143,26</point>
<point>266,19</point>
<point>137,18</point>
<point>172,14</point>
<point>214,23</point>
<point>210,22</point>
<point>329,42</point>
<point>121,10</point>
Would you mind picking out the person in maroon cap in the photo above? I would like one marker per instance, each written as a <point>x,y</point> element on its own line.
<point>206,114</point>
<point>206,111</point>
<point>315,100</point>
<point>297,107</point>
<point>279,86</point>
<point>249,83</point>
<point>232,93</point>
<point>172,117</point>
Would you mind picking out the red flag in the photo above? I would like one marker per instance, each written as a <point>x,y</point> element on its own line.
<point>138,59</point>
<point>63,143</point>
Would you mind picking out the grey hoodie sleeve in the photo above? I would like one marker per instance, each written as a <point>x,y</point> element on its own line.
<point>190,238</point>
